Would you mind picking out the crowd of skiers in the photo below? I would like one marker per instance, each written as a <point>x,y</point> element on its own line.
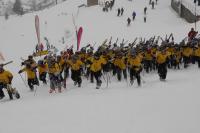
<point>107,61</point>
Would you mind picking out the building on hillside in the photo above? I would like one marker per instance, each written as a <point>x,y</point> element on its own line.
<point>92,2</point>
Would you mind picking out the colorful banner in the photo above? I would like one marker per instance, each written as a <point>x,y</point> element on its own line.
<point>79,35</point>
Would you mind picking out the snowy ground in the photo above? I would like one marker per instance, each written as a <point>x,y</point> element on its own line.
<point>156,107</point>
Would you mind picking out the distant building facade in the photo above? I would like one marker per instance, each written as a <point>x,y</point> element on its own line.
<point>92,2</point>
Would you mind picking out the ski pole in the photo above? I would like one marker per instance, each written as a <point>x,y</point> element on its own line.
<point>104,77</point>
<point>35,91</point>
<point>107,78</point>
<point>23,80</point>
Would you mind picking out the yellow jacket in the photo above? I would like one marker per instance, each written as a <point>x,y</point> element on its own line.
<point>178,56</point>
<point>135,63</point>
<point>148,56</point>
<point>75,66</point>
<point>89,61</point>
<point>120,62</point>
<point>103,59</point>
<point>197,52</point>
<point>61,63</point>
<point>5,77</point>
<point>187,51</point>
<point>31,74</point>
<point>43,69</point>
<point>96,65</point>
<point>54,69</point>
<point>161,57</point>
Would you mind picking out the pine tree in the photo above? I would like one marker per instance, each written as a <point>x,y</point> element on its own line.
<point>17,7</point>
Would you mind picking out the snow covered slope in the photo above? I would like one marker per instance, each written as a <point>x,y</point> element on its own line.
<point>156,107</point>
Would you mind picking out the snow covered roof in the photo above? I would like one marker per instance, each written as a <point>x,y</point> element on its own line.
<point>191,6</point>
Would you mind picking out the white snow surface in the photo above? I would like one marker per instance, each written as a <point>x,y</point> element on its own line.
<point>155,107</point>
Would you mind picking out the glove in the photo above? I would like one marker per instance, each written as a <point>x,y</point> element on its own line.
<point>20,71</point>
<point>23,63</point>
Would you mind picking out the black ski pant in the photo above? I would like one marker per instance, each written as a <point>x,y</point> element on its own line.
<point>55,81</point>
<point>3,85</point>
<point>119,72</point>
<point>186,61</point>
<point>32,82</point>
<point>76,76</point>
<point>162,70</point>
<point>136,74</point>
<point>42,77</point>
<point>148,65</point>
<point>97,76</point>
<point>90,74</point>
<point>198,61</point>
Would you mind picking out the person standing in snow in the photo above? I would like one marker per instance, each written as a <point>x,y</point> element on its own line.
<point>134,63</point>
<point>30,69</point>
<point>134,15</point>
<point>150,2</point>
<point>54,71</point>
<point>5,80</point>
<point>161,59</point>
<point>153,4</point>
<point>96,68</point>
<point>42,69</point>
<point>128,22</point>
<point>145,10</point>
<point>156,2</point>
<point>145,18</point>
<point>192,34</point>
<point>122,11</point>
<point>76,66</point>
<point>118,12</point>
<point>120,66</point>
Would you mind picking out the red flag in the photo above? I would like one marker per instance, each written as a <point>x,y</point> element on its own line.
<point>37,27</point>
<point>1,57</point>
<point>79,35</point>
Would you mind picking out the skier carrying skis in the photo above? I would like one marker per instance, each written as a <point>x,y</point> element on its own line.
<point>32,77</point>
<point>30,69</point>
<point>76,66</point>
<point>187,53</point>
<point>120,66</point>
<point>88,63</point>
<point>5,80</point>
<point>96,68</point>
<point>135,66</point>
<point>161,59</point>
<point>42,68</point>
<point>122,11</point>
<point>54,74</point>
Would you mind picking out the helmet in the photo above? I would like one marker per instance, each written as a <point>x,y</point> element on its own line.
<point>30,57</point>
<point>75,57</point>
